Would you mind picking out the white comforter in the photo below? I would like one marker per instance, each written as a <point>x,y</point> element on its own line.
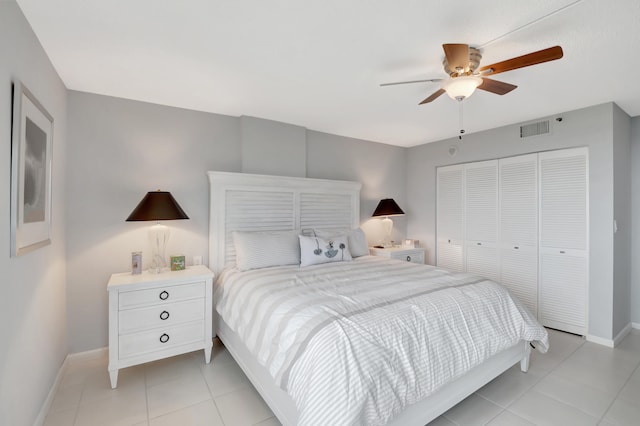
<point>356,342</point>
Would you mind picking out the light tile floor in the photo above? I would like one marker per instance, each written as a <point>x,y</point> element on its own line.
<point>576,383</point>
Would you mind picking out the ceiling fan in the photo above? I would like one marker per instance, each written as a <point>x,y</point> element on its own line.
<point>461,64</point>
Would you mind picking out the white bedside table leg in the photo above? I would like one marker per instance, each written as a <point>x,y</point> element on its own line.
<point>113,375</point>
<point>207,354</point>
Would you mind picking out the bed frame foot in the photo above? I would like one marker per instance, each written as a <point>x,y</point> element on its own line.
<point>524,362</point>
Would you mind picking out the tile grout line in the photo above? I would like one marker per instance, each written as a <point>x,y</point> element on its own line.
<point>542,377</point>
<point>496,416</point>
<point>618,393</point>
<point>565,359</point>
<point>589,386</point>
<point>84,385</point>
<point>146,396</point>
<point>213,399</point>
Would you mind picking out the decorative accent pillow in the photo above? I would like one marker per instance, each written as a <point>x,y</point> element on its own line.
<point>315,250</point>
<point>358,245</point>
<point>256,250</point>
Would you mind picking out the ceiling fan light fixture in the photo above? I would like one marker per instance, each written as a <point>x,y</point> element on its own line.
<point>462,87</point>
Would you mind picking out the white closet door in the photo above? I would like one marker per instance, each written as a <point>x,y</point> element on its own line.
<point>564,239</point>
<point>518,183</point>
<point>563,290</point>
<point>481,219</point>
<point>450,216</point>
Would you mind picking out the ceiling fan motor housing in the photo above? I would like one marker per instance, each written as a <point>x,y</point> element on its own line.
<point>474,62</point>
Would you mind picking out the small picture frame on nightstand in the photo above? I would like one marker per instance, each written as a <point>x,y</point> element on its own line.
<point>408,243</point>
<point>177,263</point>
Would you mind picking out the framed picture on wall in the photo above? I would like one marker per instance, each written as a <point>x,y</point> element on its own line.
<point>31,149</point>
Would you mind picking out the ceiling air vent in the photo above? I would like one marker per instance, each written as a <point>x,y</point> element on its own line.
<point>534,129</point>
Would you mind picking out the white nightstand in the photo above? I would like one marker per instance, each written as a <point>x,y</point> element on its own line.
<point>414,255</point>
<point>155,316</point>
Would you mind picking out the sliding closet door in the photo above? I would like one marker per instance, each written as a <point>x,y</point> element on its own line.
<point>564,239</point>
<point>449,218</point>
<point>481,219</point>
<point>518,183</point>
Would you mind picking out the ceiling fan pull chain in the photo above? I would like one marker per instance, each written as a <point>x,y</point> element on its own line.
<point>461,120</point>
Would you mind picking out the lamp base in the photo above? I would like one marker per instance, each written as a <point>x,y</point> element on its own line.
<point>387,226</point>
<point>158,236</point>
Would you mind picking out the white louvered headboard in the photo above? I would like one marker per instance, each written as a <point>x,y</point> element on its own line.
<point>247,202</point>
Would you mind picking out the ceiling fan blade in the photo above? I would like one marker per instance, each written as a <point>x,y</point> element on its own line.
<point>434,96</point>
<point>545,55</point>
<point>457,56</point>
<point>430,80</point>
<point>495,86</point>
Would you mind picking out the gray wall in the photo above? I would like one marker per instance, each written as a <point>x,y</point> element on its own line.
<point>592,127</point>
<point>120,149</point>
<point>622,216</point>
<point>380,168</point>
<point>33,334</point>
<point>272,148</point>
<point>635,224</point>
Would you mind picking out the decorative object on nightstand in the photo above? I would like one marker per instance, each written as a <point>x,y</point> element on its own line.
<point>387,207</point>
<point>413,255</point>
<point>157,206</point>
<point>177,263</point>
<point>409,243</point>
<point>136,263</point>
<point>155,316</point>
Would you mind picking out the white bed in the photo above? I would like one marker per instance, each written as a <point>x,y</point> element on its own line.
<point>243,202</point>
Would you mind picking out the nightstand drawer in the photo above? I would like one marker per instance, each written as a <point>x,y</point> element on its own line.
<point>160,338</point>
<point>414,256</point>
<point>133,320</point>
<point>166,294</point>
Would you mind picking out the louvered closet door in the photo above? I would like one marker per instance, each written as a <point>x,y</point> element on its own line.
<point>481,223</point>
<point>519,227</point>
<point>564,239</point>
<point>449,220</point>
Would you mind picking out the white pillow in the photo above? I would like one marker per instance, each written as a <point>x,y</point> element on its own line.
<point>314,250</point>
<point>357,240</point>
<point>256,250</point>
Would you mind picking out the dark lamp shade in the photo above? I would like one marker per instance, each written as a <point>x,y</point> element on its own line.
<point>157,205</point>
<point>387,207</point>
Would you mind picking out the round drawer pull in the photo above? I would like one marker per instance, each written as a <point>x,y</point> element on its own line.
<point>408,258</point>
<point>164,338</point>
<point>164,315</point>
<point>164,295</point>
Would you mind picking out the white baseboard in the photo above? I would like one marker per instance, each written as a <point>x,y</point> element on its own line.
<point>52,393</point>
<point>623,333</point>
<point>600,340</point>
<point>69,359</point>
<point>612,343</point>
<point>92,354</point>
<point>636,325</point>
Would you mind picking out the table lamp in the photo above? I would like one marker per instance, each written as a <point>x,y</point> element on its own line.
<point>387,207</point>
<point>157,206</point>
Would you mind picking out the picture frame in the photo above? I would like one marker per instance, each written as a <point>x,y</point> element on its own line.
<point>177,263</point>
<point>410,243</point>
<point>31,163</point>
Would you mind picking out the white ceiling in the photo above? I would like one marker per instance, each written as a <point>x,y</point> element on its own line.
<point>318,64</point>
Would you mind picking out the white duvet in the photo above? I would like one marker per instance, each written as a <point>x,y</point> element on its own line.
<point>356,342</point>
